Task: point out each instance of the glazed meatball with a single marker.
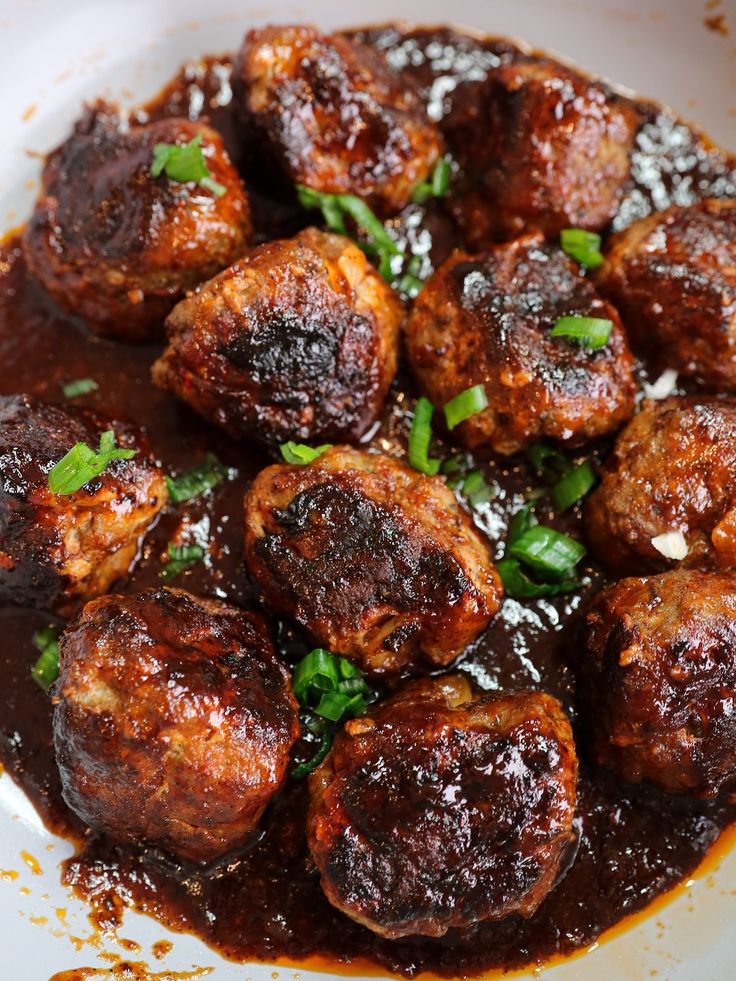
(673, 278)
(296, 341)
(57, 551)
(334, 115)
(486, 320)
(173, 721)
(118, 246)
(659, 679)
(439, 810)
(549, 151)
(671, 472)
(374, 560)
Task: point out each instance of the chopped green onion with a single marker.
(419, 438)
(46, 669)
(410, 286)
(200, 479)
(301, 771)
(547, 552)
(365, 219)
(181, 557)
(573, 486)
(591, 332)
(466, 404)
(438, 184)
(185, 163)
(520, 523)
(475, 488)
(337, 705)
(518, 585)
(583, 247)
(82, 386)
(299, 453)
(548, 461)
(81, 464)
(315, 674)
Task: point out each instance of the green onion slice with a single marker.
(475, 488)
(336, 705)
(419, 438)
(518, 585)
(82, 386)
(185, 163)
(547, 552)
(584, 247)
(573, 486)
(591, 332)
(181, 557)
(438, 184)
(197, 481)
(81, 464)
(304, 769)
(46, 669)
(521, 522)
(548, 461)
(410, 285)
(314, 675)
(301, 454)
(468, 403)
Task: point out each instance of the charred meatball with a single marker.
(374, 560)
(335, 116)
(673, 278)
(57, 551)
(549, 151)
(486, 320)
(173, 721)
(659, 680)
(672, 473)
(118, 246)
(438, 810)
(296, 341)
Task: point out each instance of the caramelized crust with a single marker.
(58, 551)
(374, 560)
(296, 341)
(487, 320)
(334, 115)
(438, 810)
(673, 469)
(119, 247)
(659, 680)
(173, 721)
(673, 277)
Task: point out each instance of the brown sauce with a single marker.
(266, 903)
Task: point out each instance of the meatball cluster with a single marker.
(439, 810)
(116, 245)
(57, 551)
(335, 116)
(173, 722)
(298, 340)
(374, 560)
(486, 320)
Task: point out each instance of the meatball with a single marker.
(118, 246)
(173, 721)
(439, 810)
(549, 151)
(658, 675)
(296, 341)
(335, 116)
(57, 551)
(486, 320)
(671, 472)
(374, 560)
(673, 278)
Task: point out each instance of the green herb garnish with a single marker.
(81, 464)
(185, 163)
(438, 184)
(590, 332)
(46, 669)
(584, 247)
(420, 436)
(82, 386)
(197, 481)
(540, 561)
(181, 557)
(466, 404)
(573, 486)
(300, 454)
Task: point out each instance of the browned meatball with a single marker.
(173, 721)
(672, 471)
(376, 561)
(334, 115)
(296, 341)
(673, 277)
(549, 151)
(438, 810)
(486, 320)
(57, 551)
(658, 675)
(119, 247)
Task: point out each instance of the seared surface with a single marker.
(173, 721)
(296, 341)
(334, 116)
(436, 810)
(659, 679)
(373, 559)
(119, 247)
(486, 320)
(673, 469)
(57, 551)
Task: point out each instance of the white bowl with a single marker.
(55, 55)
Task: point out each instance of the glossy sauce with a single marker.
(634, 843)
